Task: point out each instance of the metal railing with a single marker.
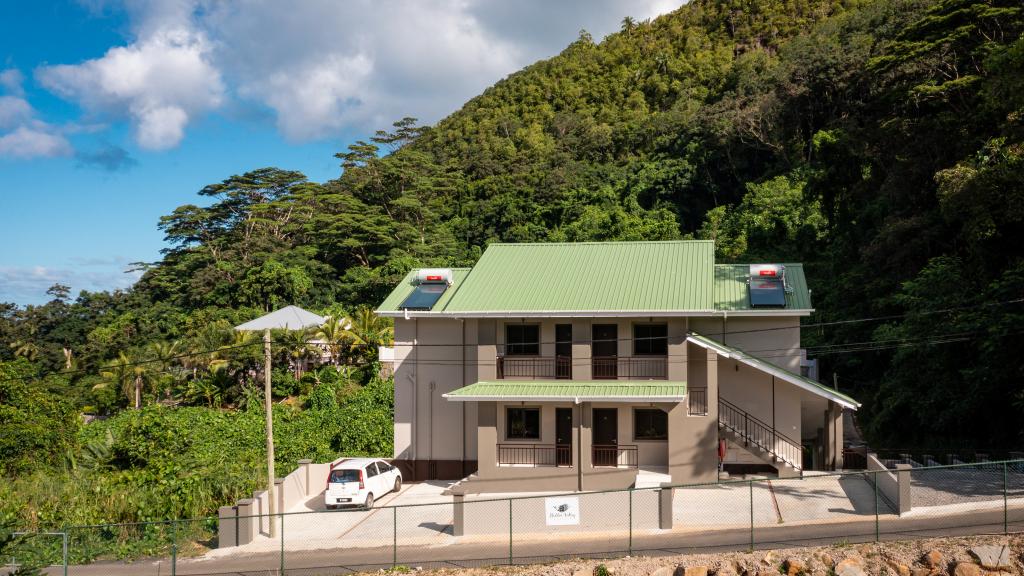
(698, 401)
(535, 454)
(629, 367)
(615, 455)
(734, 515)
(534, 367)
(756, 433)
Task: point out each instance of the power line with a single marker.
(815, 350)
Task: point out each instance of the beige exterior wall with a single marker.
(774, 402)
(434, 356)
(775, 339)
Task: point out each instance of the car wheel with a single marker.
(369, 501)
(398, 484)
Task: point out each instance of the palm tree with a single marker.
(334, 336)
(25, 349)
(165, 356)
(366, 331)
(299, 349)
(129, 375)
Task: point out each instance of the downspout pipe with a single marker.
(463, 380)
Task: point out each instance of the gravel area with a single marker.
(905, 558)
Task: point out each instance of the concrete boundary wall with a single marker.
(236, 529)
(648, 508)
(895, 486)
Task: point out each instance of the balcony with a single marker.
(602, 368)
(629, 367)
(534, 367)
(615, 455)
(534, 455)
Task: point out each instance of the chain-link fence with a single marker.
(432, 529)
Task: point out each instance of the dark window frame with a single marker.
(509, 420)
(650, 424)
(522, 347)
(650, 345)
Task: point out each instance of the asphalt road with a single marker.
(475, 552)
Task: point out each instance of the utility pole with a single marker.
(270, 431)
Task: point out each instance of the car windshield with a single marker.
(344, 476)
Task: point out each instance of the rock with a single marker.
(825, 559)
(850, 567)
(900, 569)
(921, 572)
(967, 569)
(770, 558)
(664, 571)
(695, 571)
(993, 557)
(583, 572)
(793, 566)
(933, 559)
(727, 568)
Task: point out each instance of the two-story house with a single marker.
(576, 366)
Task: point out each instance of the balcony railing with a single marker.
(535, 454)
(629, 367)
(534, 367)
(615, 455)
(698, 399)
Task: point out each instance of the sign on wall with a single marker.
(562, 510)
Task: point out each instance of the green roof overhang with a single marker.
(570, 391)
(767, 367)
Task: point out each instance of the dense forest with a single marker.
(880, 142)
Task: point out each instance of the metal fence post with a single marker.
(509, 531)
(876, 505)
(174, 547)
(65, 551)
(751, 484)
(630, 549)
(1005, 523)
(282, 543)
(394, 537)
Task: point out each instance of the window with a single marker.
(522, 339)
(522, 423)
(650, 424)
(650, 339)
(384, 467)
(371, 470)
(339, 476)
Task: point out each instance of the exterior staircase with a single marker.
(760, 439)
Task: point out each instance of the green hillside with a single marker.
(880, 142)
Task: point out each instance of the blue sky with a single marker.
(113, 114)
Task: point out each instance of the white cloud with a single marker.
(14, 111)
(160, 82)
(26, 142)
(10, 81)
(22, 135)
(322, 66)
(28, 284)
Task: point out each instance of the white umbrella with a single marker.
(287, 318)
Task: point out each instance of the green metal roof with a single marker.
(767, 367)
(589, 277)
(406, 286)
(574, 390)
(731, 287)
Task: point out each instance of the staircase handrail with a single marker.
(794, 446)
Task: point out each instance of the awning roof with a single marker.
(797, 380)
(571, 390)
(287, 318)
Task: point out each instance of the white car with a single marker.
(358, 481)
